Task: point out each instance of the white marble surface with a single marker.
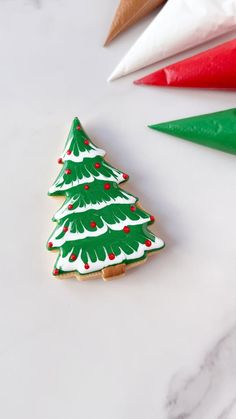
(161, 342)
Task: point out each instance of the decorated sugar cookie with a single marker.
(100, 228)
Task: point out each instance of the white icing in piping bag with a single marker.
(181, 24)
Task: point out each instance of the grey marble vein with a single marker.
(211, 392)
(225, 414)
(37, 3)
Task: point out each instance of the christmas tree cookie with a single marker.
(215, 130)
(211, 69)
(100, 228)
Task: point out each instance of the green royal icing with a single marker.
(216, 130)
(91, 231)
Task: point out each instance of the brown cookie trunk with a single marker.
(111, 271)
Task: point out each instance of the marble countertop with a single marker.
(159, 343)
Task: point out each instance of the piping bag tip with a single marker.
(158, 78)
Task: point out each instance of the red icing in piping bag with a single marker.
(214, 68)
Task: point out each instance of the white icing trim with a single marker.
(66, 186)
(82, 155)
(127, 222)
(78, 265)
(69, 236)
(63, 211)
(75, 236)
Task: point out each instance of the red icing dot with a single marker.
(78, 127)
(126, 229)
(56, 272)
(111, 256)
(86, 266)
(68, 152)
(93, 224)
(73, 257)
(97, 165)
(50, 244)
(148, 243)
(125, 176)
(152, 218)
(65, 229)
(70, 207)
(67, 171)
(107, 186)
(132, 208)
(60, 160)
(86, 187)
(86, 142)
